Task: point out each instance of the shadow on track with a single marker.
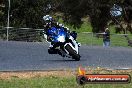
(64, 60)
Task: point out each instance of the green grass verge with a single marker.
(53, 82)
(89, 39)
(44, 82)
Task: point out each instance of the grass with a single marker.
(56, 82)
(44, 82)
(90, 39)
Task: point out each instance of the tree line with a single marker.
(29, 13)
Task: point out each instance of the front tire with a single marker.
(72, 52)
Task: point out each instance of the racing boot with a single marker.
(52, 50)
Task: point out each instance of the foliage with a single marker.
(29, 13)
(97, 10)
(1, 10)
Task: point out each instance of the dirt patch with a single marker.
(66, 73)
(8, 75)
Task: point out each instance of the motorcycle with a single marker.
(64, 43)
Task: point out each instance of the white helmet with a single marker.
(47, 18)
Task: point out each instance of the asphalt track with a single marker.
(21, 56)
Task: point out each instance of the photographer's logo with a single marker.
(83, 78)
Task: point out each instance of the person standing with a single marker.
(106, 38)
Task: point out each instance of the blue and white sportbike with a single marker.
(64, 43)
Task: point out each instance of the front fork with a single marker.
(75, 44)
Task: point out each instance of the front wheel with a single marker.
(72, 52)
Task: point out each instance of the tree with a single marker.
(97, 10)
(1, 11)
(27, 13)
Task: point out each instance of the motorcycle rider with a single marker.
(50, 22)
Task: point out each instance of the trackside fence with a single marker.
(36, 35)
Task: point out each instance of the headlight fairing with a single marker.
(61, 38)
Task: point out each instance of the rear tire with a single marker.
(72, 52)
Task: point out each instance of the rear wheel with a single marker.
(72, 52)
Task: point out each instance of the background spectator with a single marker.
(106, 38)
